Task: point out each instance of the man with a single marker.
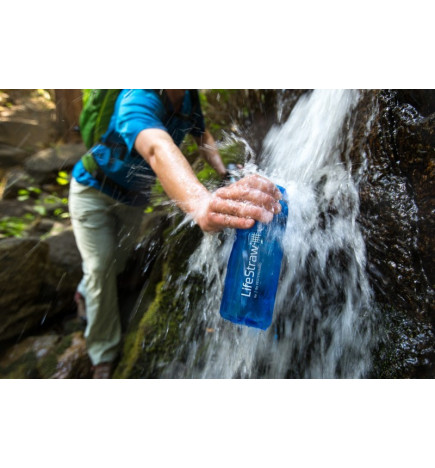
(111, 186)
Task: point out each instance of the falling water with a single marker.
(322, 325)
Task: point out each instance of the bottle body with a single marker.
(253, 272)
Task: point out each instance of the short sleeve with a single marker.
(137, 110)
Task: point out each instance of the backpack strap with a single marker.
(194, 96)
(90, 164)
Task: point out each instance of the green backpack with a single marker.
(98, 105)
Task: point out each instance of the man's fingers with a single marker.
(261, 183)
(240, 209)
(220, 221)
(253, 189)
(251, 195)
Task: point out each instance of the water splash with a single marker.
(323, 318)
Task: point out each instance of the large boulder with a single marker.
(64, 271)
(11, 156)
(415, 143)
(395, 131)
(20, 361)
(26, 133)
(24, 266)
(396, 202)
(73, 363)
(37, 281)
(45, 164)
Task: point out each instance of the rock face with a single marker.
(74, 362)
(48, 356)
(23, 270)
(37, 280)
(395, 131)
(64, 271)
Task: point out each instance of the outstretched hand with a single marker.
(239, 205)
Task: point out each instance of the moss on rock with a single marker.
(153, 335)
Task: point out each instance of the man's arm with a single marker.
(236, 206)
(209, 152)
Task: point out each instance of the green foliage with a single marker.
(12, 226)
(62, 178)
(44, 205)
(25, 194)
(233, 152)
(41, 210)
(206, 174)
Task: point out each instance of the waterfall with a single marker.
(323, 319)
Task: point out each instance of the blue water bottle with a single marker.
(253, 272)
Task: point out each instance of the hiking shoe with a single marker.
(81, 306)
(102, 370)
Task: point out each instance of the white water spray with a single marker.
(322, 319)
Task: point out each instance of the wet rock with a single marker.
(20, 360)
(423, 100)
(415, 146)
(153, 334)
(47, 356)
(74, 362)
(396, 196)
(45, 165)
(396, 211)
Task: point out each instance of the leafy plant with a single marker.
(62, 178)
(25, 194)
(13, 226)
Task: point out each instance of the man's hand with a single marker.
(239, 205)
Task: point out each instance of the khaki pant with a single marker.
(106, 231)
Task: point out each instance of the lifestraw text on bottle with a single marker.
(253, 270)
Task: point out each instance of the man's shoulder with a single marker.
(140, 95)
(142, 101)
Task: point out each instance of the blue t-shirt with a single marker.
(136, 110)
